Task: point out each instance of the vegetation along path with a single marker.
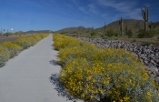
(25, 78)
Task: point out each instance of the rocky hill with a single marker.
(74, 30)
(130, 24)
(33, 31)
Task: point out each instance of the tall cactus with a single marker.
(150, 26)
(145, 17)
(121, 26)
(104, 28)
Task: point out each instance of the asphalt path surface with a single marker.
(26, 77)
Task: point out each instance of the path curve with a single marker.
(25, 78)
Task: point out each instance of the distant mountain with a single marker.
(37, 31)
(131, 24)
(75, 31)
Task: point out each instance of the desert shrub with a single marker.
(111, 55)
(26, 42)
(158, 38)
(146, 34)
(142, 34)
(93, 33)
(3, 56)
(134, 40)
(67, 54)
(116, 82)
(65, 41)
(33, 40)
(12, 48)
(129, 33)
(111, 74)
(71, 48)
(111, 32)
(38, 37)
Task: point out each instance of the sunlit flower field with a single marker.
(10, 49)
(93, 74)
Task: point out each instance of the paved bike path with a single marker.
(25, 78)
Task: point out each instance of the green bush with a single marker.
(146, 34)
(93, 33)
(129, 33)
(111, 32)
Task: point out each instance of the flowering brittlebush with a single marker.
(115, 75)
(3, 56)
(10, 49)
(26, 42)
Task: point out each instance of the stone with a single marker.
(146, 62)
(157, 80)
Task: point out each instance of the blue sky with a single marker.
(24, 15)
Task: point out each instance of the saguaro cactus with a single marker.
(104, 28)
(145, 17)
(150, 26)
(121, 26)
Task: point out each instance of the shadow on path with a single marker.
(60, 88)
(53, 62)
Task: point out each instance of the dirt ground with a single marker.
(141, 40)
(4, 38)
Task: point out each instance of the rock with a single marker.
(152, 73)
(157, 80)
(146, 62)
(157, 73)
(153, 68)
(152, 62)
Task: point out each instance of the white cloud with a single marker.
(125, 8)
(83, 9)
(136, 13)
(90, 8)
(75, 2)
(109, 18)
(120, 6)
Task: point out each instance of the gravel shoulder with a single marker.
(25, 78)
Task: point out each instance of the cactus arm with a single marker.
(142, 13)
